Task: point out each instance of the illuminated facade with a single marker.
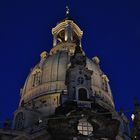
(66, 96)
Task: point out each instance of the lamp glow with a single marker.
(132, 117)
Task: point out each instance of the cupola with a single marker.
(65, 34)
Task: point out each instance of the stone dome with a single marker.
(46, 82)
(53, 74)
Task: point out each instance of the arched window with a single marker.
(82, 94)
(61, 36)
(19, 121)
(105, 85)
(36, 77)
(105, 81)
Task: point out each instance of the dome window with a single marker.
(105, 81)
(84, 127)
(105, 86)
(36, 77)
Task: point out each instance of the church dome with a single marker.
(47, 80)
(67, 95)
(52, 72)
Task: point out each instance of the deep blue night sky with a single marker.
(111, 31)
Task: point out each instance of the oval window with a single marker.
(84, 127)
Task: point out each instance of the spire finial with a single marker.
(67, 10)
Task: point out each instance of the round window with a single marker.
(84, 127)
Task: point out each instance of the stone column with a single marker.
(54, 40)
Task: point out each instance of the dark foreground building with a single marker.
(66, 96)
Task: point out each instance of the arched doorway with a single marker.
(82, 94)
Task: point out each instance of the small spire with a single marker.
(67, 11)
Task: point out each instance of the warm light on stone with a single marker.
(105, 77)
(43, 55)
(132, 117)
(96, 60)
